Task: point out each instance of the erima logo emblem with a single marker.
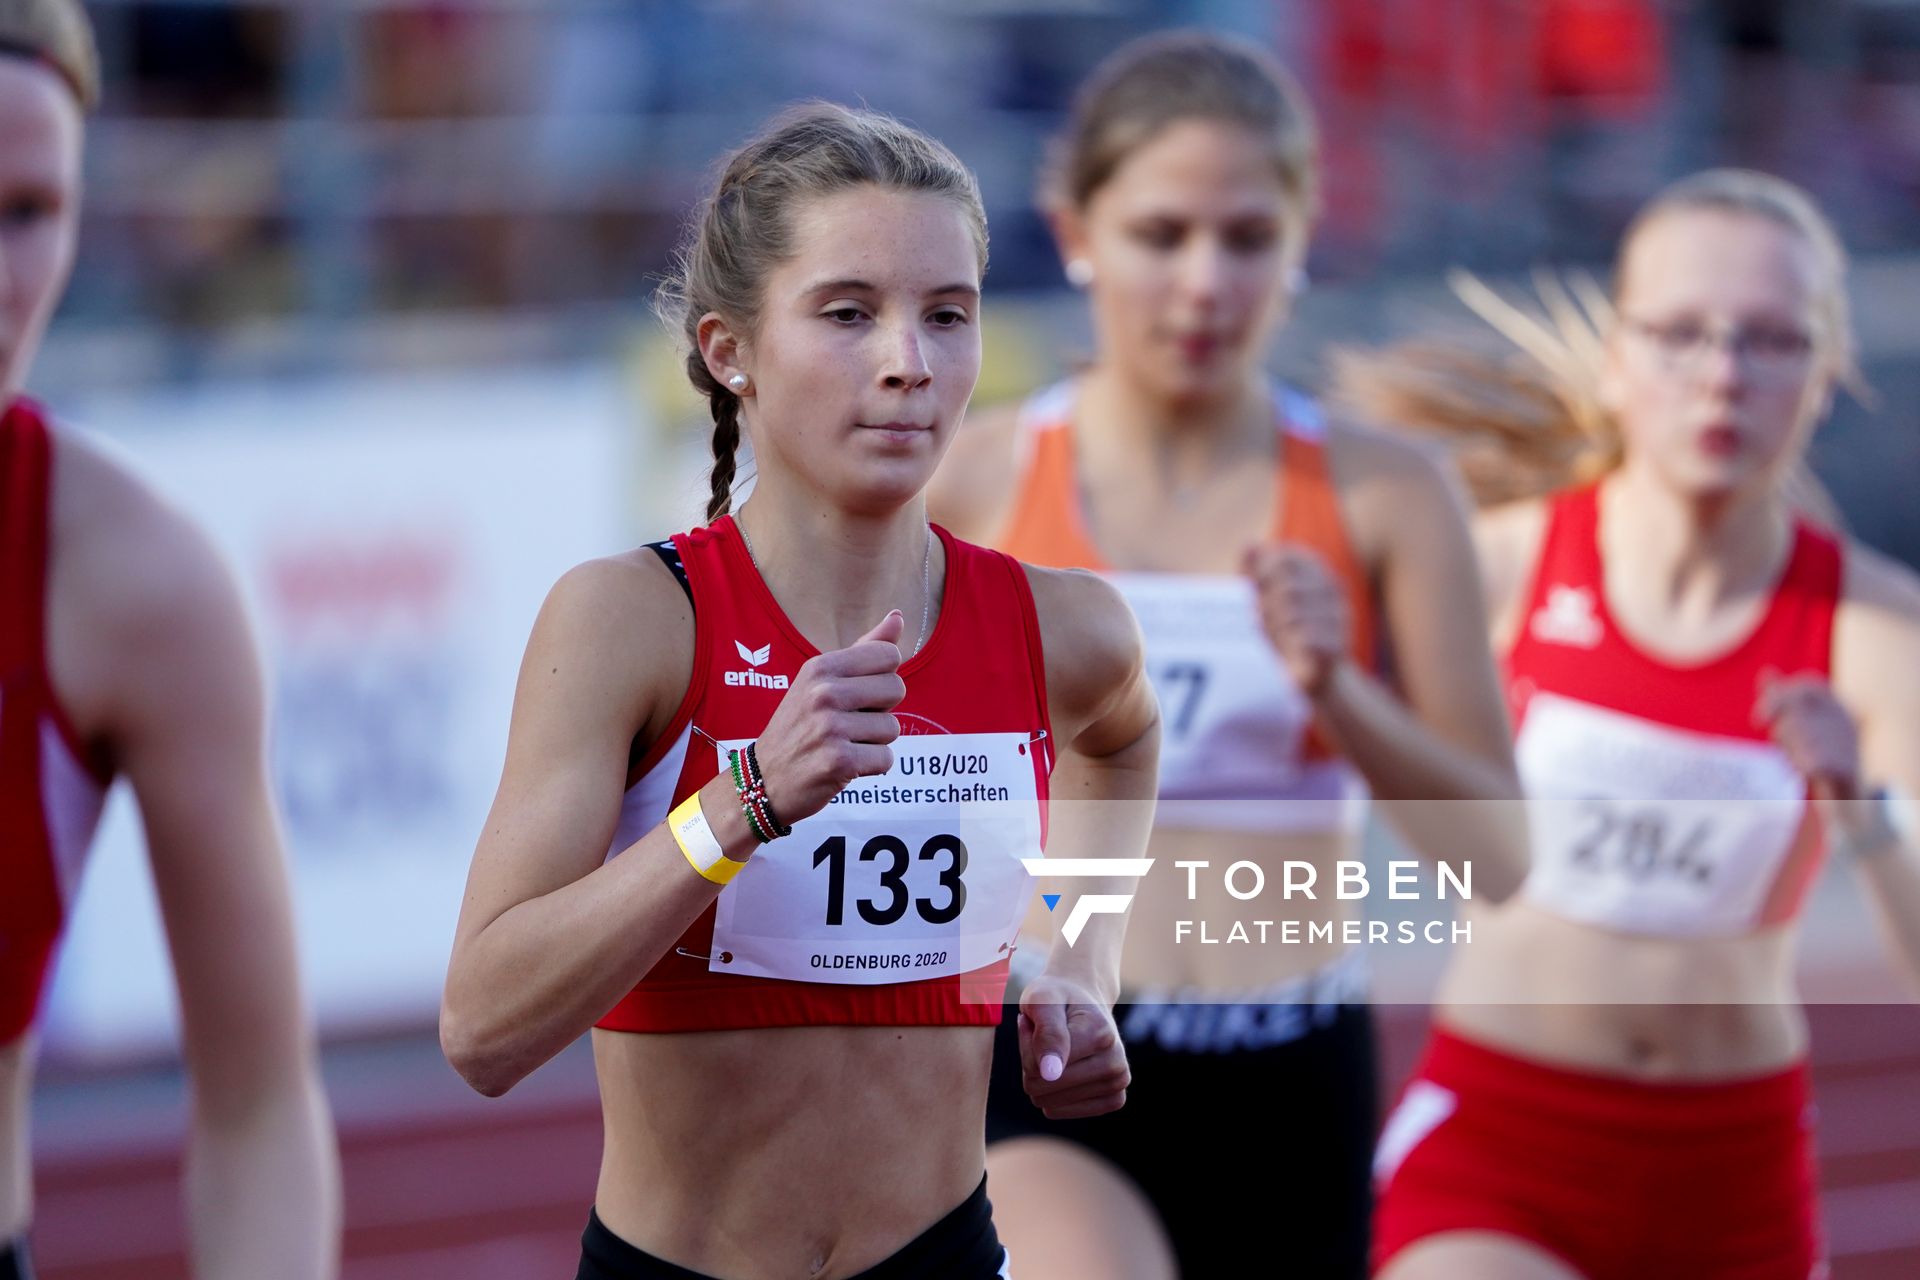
(1092, 904)
(755, 679)
(1568, 617)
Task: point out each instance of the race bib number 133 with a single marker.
(912, 874)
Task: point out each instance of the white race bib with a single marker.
(1233, 722)
(1651, 829)
(912, 874)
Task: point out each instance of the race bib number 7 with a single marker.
(912, 874)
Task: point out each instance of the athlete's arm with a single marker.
(973, 489)
(174, 689)
(1437, 752)
(551, 935)
(1877, 677)
(1106, 723)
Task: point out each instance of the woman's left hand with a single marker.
(1071, 1059)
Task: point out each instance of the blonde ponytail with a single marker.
(1521, 423)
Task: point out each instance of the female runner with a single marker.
(124, 653)
(792, 963)
(1712, 689)
(1182, 196)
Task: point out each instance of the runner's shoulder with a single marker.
(1879, 618)
(624, 622)
(1090, 636)
(1878, 582)
(972, 491)
(143, 566)
(1395, 490)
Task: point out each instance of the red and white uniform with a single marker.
(1659, 803)
(50, 797)
(899, 902)
(1659, 807)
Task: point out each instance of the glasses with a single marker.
(1774, 352)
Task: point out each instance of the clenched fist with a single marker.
(835, 724)
(1303, 609)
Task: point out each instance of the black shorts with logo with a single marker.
(961, 1246)
(1282, 1094)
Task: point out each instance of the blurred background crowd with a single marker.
(364, 283)
(292, 188)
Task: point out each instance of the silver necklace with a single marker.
(926, 580)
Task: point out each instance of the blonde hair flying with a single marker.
(1528, 421)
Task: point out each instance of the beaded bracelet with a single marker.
(747, 797)
(747, 780)
(758, 783)
(757, 816)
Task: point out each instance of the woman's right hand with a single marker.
(1304, 611)
(834, 724)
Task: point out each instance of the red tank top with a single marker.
(915, 870)
(1659, 804)
(50, 798)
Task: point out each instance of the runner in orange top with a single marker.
(1297, 580)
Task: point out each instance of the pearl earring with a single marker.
(1079, 272)
(1296, 280)
(738, 383)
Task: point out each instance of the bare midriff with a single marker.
(1684, 1009)
(770, 1153)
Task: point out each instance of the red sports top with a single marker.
(50, 797)
(979, 673)
(1661, 804)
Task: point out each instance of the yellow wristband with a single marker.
(696, 839)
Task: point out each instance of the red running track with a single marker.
(442, 1185)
